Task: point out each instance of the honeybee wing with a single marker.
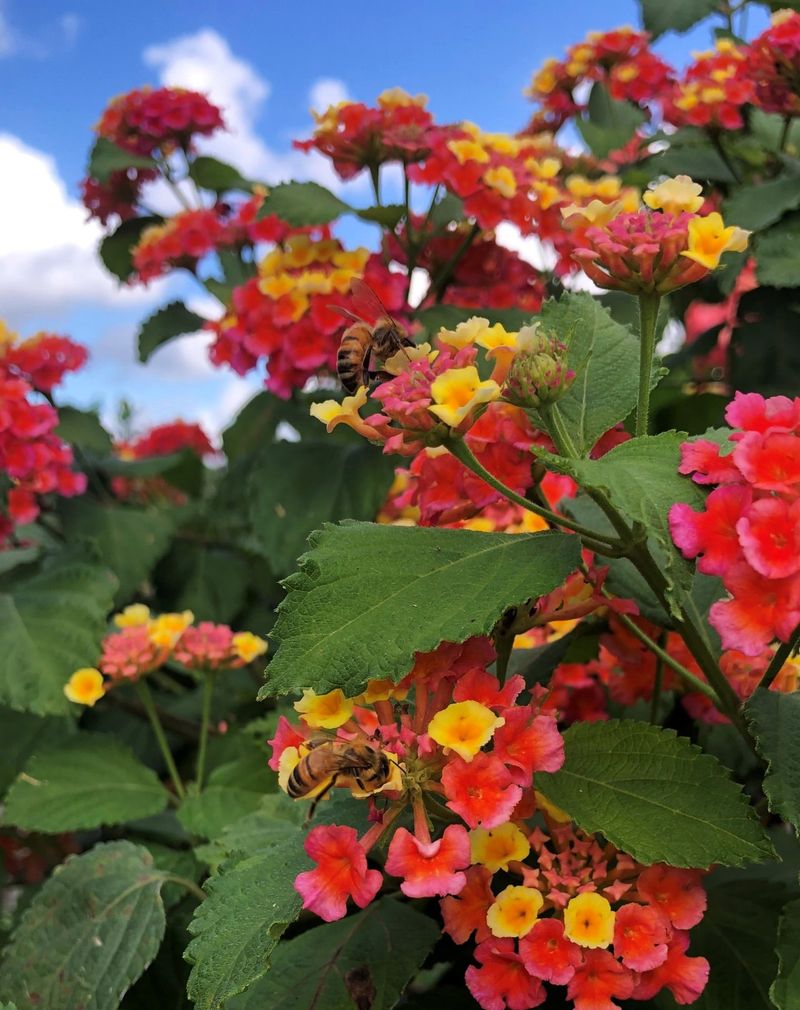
(367, 303)
(347, 314)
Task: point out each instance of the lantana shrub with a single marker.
(527, 591)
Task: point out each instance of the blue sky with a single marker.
(60, 61)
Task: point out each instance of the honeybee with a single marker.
(364, 340)
(328, 763)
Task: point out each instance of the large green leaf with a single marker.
(51, 623)
(24, 734)
(675, 16)
(86, 782)
(130, 540)
(611, 123)
(777, 253)
(82, 428)
(737, 936)
(295, 488)
(168, 322)
(655, 795)
(234, 790)
(211, 173)
(250, 903)
(106, 157)
(365, 961)
(88, 934)
(116, 249)
(367, 597)
(605, 356)
(303, 203)
(757, 207)
(210, 581)
(641, 479)
(785, 991)
(774, 718)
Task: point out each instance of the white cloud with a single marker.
(70, 25)
(48, 260)
(8, 37)
(327, 91)
(540, 255)
(204, 62)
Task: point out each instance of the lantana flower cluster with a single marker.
(143, 642)
(658, 248)
(774, 57)
(545, 902)
(148, 122)
(34, 461)
(714, 89)
(749, 531)
(161, 440)
(621, 59)
(287, 314)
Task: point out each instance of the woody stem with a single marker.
(648, 316)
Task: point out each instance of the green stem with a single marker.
(664, 656)
(439, 283)
(717, 142)
(375, 176)
(208, 693)
(411, 245)
(648, 317)
(782, 653)
(150, 708)
(787, 126)
(558, 431)
(658, 681)
(459, 448)
(189, 885)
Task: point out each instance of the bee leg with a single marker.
(360, 784)
(320, 796)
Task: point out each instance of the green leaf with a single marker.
(303, 203)
(366, 960)
(418, 586)
(83, 429)
(450, 208)
(387, 215)
(611, 123)
(106, 158)
(234, 790)
(605, 356)
(86, 782)
(654, 795)
(210, 173)
(785, 990)
(171, 321)
(737, 936)
(295, 488)
(774, 719)
(676, 16)
(130, 540)
(51, 624)
(777, 253)
(250, 903)
(24, 734)
(765, 351)
(700, 161)
(210, 581)
(757, 207)
(641, 479)
(116, 249)
(89, 933)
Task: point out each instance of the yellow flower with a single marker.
(589, 920)
(7, 337)
(596, 213)
(544, 80)
(514, 911)
(465, 334)
(393, 97)
(248, 646)
(166, 629)
(381, 690)
(354, 259)
(324, 711)
(468, 150)
(400, 360)
(277, 285)
(709, 239)
(133, 616)
(458, 391)
(546, 193)
(494, 337)
(607, 187)
(501, 179)
(332, 412)
(495, 848)
(464, 727)
(579, 186)
(547, 168)
(85, 686)
(626, 73)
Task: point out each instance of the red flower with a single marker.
(769, 462)
(163, 118)
(286, 735)
(528, 743)
(548, 954)
(341, 872)
(678, 894)
(466, 913)
(640, 937)
(599, 978)
(502, 981)
(713, 532)
(481, 686)
(685, 977)
(482, 791)
(770, 537)
(761, 609)
(433, 868)
(752, 412)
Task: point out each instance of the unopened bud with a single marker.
(538, 374)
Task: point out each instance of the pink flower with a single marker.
(711, 533)
(640, 937)
(528, 744)
(548, 954)
(685, 977)
(341, 872)
(770, 537)
(705, 459)
(678, 894)
(502, 981)
(433, 868)
(481, 791)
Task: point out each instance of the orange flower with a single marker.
(85, 686)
